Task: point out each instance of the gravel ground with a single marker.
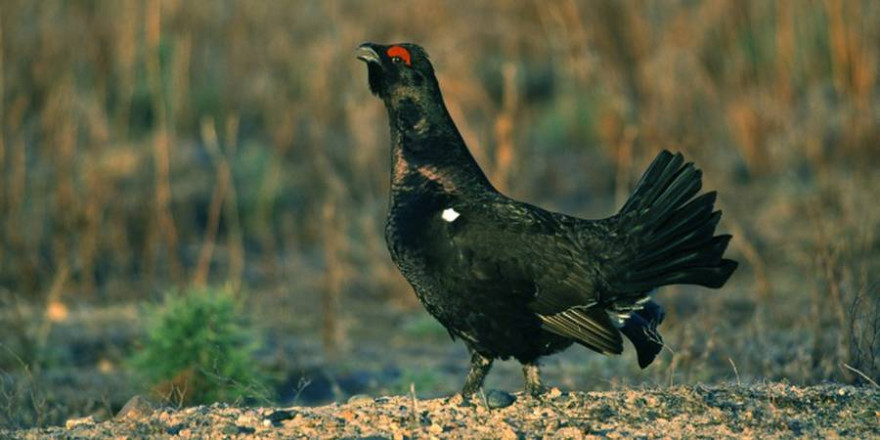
(728, 411)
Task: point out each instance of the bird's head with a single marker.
(397, 70)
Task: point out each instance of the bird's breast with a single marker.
(420, 231)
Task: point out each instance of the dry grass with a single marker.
(148, 144)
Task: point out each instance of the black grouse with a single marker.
(514, 280)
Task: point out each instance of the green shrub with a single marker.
(198, 349)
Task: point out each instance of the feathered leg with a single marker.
(480, 366)
(532, 375)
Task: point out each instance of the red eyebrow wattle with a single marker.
(400, 52)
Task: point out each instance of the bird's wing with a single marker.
(506, 240)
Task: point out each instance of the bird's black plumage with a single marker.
(511, 279)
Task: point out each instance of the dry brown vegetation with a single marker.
(153, 144)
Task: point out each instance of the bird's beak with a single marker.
(367, 54)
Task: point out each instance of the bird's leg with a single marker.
(480, 366)
(532, 376)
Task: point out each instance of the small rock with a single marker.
(137, 408)
(360, 399)
(506, 432)
(347, 415)
(82, 421)
(554, 393)
(246, 419)
(496, 399)
(276, 417)
(568, 433)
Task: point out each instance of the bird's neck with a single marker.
(428, 150)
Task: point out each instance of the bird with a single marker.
(513, 280)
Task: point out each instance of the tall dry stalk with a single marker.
(224, 177)
(3, 202)
(235, 238)
(331, 329)
(505, 150)
(62, 128)
(164, 137)
(223, 201)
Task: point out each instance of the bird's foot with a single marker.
(541, 394)
(460, 400)
(536, 390)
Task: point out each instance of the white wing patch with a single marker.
(449, 215)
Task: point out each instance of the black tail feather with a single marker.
(674, 229)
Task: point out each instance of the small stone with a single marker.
(137, 408)
(496, 399)
(276, 417)
(506, 432)
(246, 419)
(360, 399)
(569, 433)
(347, 415)
(82, 421)
(554, 393)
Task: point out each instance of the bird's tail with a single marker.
(673, 230)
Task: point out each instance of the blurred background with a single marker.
(192, 193)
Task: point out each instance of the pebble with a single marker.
(496, 399)
(246, 419)
(360, 399)
(505, 432)
(73, 423)
(137, 408)
(276, 417)
(568, 433)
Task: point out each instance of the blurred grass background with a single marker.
(152, 145)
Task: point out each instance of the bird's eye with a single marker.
(396, 60)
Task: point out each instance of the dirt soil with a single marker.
(728, 411)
